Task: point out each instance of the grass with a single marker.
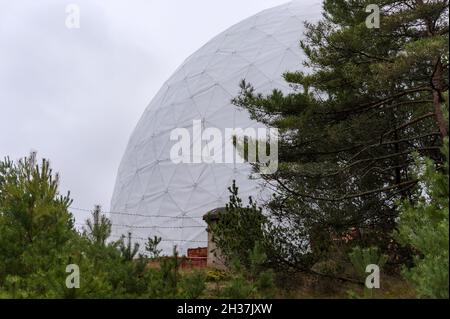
(301, 286)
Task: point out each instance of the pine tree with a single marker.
(98, 229)
(29, 197)
(33, 214)
(36, 229)
(371, 99)
(151, 247)
(127, 249)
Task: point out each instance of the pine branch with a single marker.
(347, 197)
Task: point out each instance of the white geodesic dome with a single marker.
(154, 196)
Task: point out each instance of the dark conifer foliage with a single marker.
(372, 98)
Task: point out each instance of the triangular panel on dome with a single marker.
(176, 93)
(151, 205)
(200, 83)
(170, 209)
(154, 181)
(162, 144)
(204, 102)
(197, 65)
(182, 180)
(222, 118)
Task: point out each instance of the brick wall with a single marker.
(197, 258)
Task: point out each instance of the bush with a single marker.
(215, 275)
(238, 229)
(193, 285)
(257, 282)
(38, 241)
(424, 225)
(360, 259)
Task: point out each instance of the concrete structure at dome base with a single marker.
(215, 258)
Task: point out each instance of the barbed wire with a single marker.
(84, 210)
(148, 227)
(163, 240)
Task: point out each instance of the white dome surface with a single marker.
(154, 196)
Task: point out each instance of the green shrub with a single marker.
(38, 241)
(424, 225)
(193, 285)
(238, 229)
(255, 282)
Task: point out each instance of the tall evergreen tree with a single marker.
(36, 228)
(371, 98)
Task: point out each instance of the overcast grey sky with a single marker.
(75, 95)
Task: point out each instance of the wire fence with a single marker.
(163, 240)
(155, 227)
(147, 227)
(84, 210)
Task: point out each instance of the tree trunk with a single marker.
(437, 82)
